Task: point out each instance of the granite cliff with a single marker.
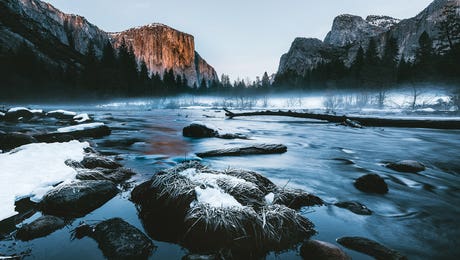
(349, 32)
(63, 39)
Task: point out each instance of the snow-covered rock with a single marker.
(32, 170)
(81, 118)
(61, 114)
(81, 127)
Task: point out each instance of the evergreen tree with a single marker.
(108, 56)
(425, 50)
(203, 85)
(265, 80)
(372, 57)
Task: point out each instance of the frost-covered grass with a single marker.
(32, 170)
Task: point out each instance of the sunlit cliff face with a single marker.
(162, 47)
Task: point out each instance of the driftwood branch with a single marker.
(364, 121)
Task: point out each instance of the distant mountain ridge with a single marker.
(349, 32)
(63, 40)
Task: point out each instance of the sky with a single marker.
(241, 38)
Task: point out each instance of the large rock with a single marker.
(40, 227)
(354, 207)
(371, 183)
(247, 150)
(12, 140)
(199, 131)
(78, 198)
(319, 250)
(371, 248)
(119, 240)
(407, 166)
(14, 114)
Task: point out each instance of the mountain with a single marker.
(162, 47)
(349, 32)
(62, 40)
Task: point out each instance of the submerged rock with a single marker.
(247, 150)
(354, 207)
(40, 227)
(199, 131)
(54, 138)
(319, 250)
(202, 257)
(407, 166)
(370, 247)
(119, 240)
(371, 183)
(13, 140)
(78, 198)
(92, 162)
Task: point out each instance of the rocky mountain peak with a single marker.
(382, 21)
(347, 29)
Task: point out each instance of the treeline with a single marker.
(436, 60)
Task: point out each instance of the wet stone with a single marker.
(78, 198)
(407, 166)
(92, 162)
(119, 240)
(371, 183)
(247, 150)
(370, 247)
(13, 140)
(198, 131)
(40, 227)
(319, 250)
(354, 207)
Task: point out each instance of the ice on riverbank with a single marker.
(33, 169)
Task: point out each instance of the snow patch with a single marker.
(269, 198)
(81, 118)
(63, 112)
(15, 109)
(215, 197)
(32, 170)
(79, 127)
(212, 194)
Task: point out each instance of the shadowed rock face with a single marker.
(162, 47)
(348, 32)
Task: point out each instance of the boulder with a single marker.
(371, 183)
(92, 162)
(319, 250)
(199, 131)
(78, 198)
(201, 257)
(14, 114)
(113, 175)
(40, 227)
(247, 150)
(370, 247)
(119, 240)
(12, 140)
(354, 207)
(407, 166)
(232, 136)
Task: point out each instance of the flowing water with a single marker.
(418, 217)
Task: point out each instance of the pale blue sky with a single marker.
(242, 38)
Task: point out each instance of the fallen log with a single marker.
(364, 121)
